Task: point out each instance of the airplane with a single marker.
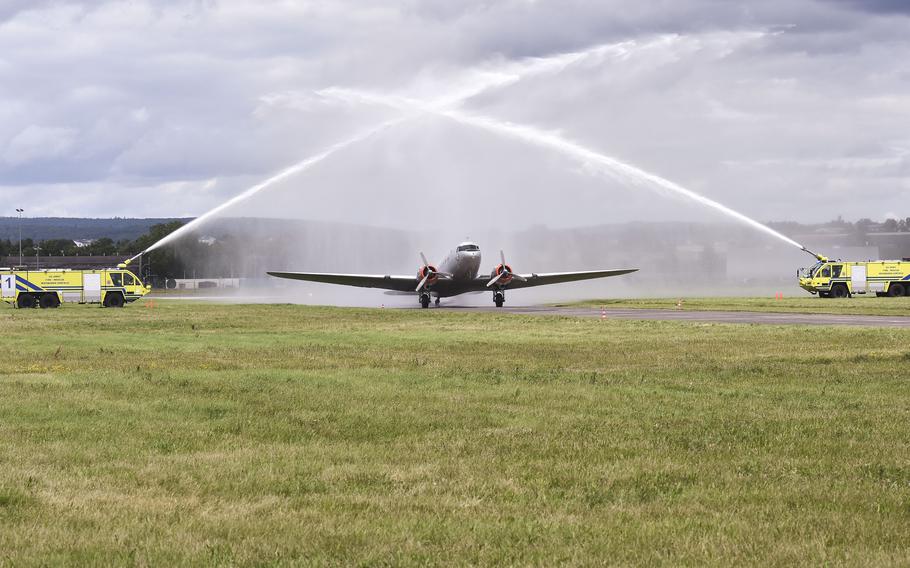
(458, 274)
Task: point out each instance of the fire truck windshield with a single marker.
(810, 271)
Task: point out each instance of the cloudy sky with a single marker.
(782, 109)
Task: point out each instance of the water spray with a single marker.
(554, 141)
(484, 80)
(283, 174)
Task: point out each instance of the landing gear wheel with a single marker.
(840, 291)
(49, 301)
(437, 301)
(114, 300)
(499, 298)
(26, 301)
(424, 301)
(897, 290)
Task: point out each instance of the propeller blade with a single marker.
(495, 280)
(422, 282)
(502, 257)
(424, 259)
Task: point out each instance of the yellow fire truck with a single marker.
(839, 279)
(112, 288)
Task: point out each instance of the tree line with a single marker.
(65, 247)
(861, 226)
(164, 262)
(96, 247)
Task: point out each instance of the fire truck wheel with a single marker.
(840, 291)
(896, 290)
(49, 301)
(26, 301)
(113, 300)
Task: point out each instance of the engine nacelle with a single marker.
(431, 270)
(506, 277)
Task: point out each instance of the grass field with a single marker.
(802, 304)
(199, 433)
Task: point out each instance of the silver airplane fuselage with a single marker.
(463, 263)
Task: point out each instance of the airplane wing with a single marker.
(446, 286)
(533, 279)
(385, 282)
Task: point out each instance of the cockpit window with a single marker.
(465, 248)
(116, 279)
(128, 280)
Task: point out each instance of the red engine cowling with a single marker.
(421, 274)
(499, 270)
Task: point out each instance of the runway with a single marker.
(765, 318)
(715, 316)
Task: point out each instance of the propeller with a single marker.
(504, 271)
(429, 272)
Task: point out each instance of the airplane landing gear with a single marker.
(437, 301)
(424, 300)
(499, 298)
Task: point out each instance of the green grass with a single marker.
(196, 433)
(802, 304)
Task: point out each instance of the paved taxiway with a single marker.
(703, 316)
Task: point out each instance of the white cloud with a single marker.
(36, 143)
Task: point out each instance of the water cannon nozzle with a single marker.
(821, 258)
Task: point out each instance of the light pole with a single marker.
(20, 211)
(37, 251)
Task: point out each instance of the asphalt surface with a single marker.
(766, 318)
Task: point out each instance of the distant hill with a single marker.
(43, 228)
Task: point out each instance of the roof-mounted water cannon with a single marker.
(127, 262)
(820, 258)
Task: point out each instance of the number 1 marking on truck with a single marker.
(8, 288)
